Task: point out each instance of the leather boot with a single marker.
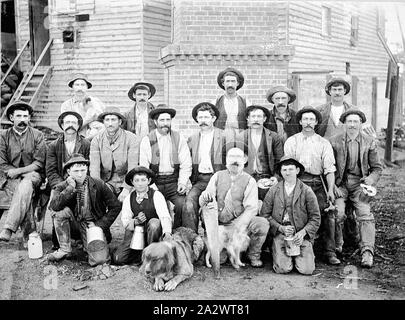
(367, 259)
(5, 235)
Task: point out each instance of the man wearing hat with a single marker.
(235, 192)
(282, 119)
(61, 150)
(137, 119)
(316, 155)
(165, 152)
(231, 106)
(145, 207)
(81, 202)
(265, 148)
(82, 103)
(206, 147)
(357, 163)
(292, 210)
(92, 127)
(22, 161)
(113, 153)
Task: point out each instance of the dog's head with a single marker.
(158, 259)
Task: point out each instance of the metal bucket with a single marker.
(94, 233)
(138, 239)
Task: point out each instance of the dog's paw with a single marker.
(159, 284)
(170, 285)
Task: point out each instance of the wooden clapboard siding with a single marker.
(22, 32)
(316, 52)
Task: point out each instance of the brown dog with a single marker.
(168, 263)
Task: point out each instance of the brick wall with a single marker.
(209, 36)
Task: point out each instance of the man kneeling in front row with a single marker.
(292, 206)
(81, 202)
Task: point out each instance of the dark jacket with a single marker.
(305, 211)
(325, 112)
(103, 203)
(55, 156)
(130, 122)
(370, 164)
(291, 127)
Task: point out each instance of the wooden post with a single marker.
(295, 81)
(391, 116)
(355, 81)
(374, 103)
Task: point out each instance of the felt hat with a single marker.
(76, 158)
(111, 110)
(241, 78)
(235, 144)
(64, 114)
(353, 111)
(82, 76)
(273, 90)
(18, 105)
(252, 107)
(198, 106)
(284, 159)
(139, 169)
(141, 85)
(335, 81)
(162, 108)
(309, 109)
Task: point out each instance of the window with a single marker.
(326, 21)
(354, 31)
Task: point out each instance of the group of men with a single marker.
(296, 164)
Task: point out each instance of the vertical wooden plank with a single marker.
(399, 107)
(295, 85)
(355, 82)
(374, 102)
(391, 115)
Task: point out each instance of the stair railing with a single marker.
(14, 61)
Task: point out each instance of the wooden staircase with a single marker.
(31, 85)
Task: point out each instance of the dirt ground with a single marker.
(23, 278)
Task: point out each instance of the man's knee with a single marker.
(284, 267)
(64, 214)
(154, 224)
(307, 268)
(259, 226)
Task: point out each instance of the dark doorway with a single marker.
(8, 38)
(39, 32)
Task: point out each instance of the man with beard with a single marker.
(137, 119)
(206, 147)
(113, 153)
(235, 191)
(22, 158)
(231, 106)
(165, 152)
(357, 162)
(282, 119)
(316, 155)
(265, 148)
(82, 103)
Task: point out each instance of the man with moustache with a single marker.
(282, 119)
(316, 155)
(22, 159)
(137, 119)
(165, 152)
(231, 106)
(265, 148)
(235, 192)
(357, 162)
(206, 147)
(113, 153)
(87, 106)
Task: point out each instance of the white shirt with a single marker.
(160, 207)
(142, 127)
(204, 152)
(256, 138)
(70, 146)
(165, 149)
(231, 106)
(336, 112)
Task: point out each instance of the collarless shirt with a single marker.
(204, 152)
(70, 146)
(231, 106)
(142, 127)
(165, 150)
(336, 112)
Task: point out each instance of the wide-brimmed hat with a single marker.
(76, 158)
(309, 109)
(353, 111)
(198, 106)
(273, 90)
(111, 110)
(82, 76)
(284, 159)
(241, 78)
(235, 144)
(18, 105)
(162, 108)
(141, 85)
(264, 109)
(86, 124)
(334, 81)
(73, 113)
(139, 169)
